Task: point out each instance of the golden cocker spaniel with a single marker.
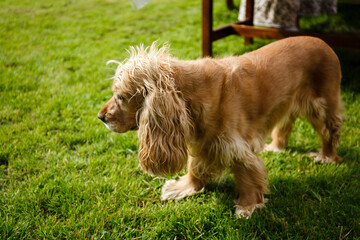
(213, 114)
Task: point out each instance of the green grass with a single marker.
(64, 175)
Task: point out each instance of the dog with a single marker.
(214, 114)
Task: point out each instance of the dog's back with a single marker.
(296, 77)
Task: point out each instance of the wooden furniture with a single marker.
(248, 31)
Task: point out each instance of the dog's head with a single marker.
(119, 114)
(145, 98)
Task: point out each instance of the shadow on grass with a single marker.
(349, 155)
(225, 187)
(350, 66)
(321, 202)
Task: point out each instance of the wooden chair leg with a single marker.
(248, 40)
(207, 30)
(249, 15)
(230, 4)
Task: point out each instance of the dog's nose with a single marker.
(101, 117)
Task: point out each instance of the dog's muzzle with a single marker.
(101, 117)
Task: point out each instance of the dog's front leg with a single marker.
(186, 185)
(251, 184)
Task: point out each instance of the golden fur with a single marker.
(213, 114)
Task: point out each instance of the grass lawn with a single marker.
(64, 175)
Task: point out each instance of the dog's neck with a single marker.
(194, 79)
(186, 70)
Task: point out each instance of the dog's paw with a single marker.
(246, 211)
(271, 148)
(177, 190)
(319, 157)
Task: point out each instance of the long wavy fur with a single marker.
(164, 124)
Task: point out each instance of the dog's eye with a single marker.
(121, 98)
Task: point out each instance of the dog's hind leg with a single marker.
(326, 118)
(251, 184)
(281, 134)
(329, 131)
(186, 185)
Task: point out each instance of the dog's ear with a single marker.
(164, 129)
